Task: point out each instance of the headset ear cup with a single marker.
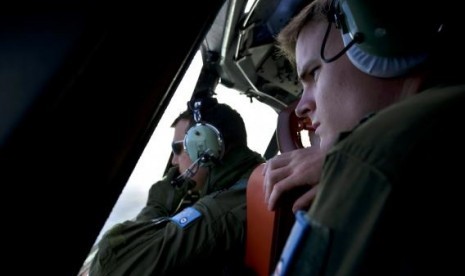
(382, 67)
(393, 40)
(204, 142)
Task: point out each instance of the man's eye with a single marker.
(314, 73)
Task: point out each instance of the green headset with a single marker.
(385, 38)
(203, 142)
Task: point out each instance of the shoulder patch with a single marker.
(186, 216)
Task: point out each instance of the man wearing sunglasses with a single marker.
(194, 220)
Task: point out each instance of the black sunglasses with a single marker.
(177, 147)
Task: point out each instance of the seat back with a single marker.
(267, 231)
(290, 128)
(260, 225)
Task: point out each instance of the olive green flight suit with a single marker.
(391, 200)
(207, 238)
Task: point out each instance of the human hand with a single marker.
(164, 198)
(297, 170)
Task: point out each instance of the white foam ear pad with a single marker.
(383, 67)
(204, 142)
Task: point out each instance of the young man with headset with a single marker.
(194, 220)
(383, 84)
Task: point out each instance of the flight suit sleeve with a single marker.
(163, 197)
(214, 226)
(350, 201)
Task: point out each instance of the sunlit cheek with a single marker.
(185, 161)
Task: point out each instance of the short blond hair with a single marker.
(316, 11)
